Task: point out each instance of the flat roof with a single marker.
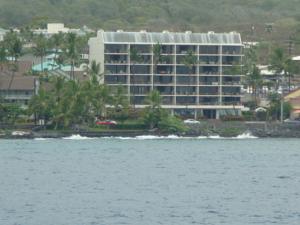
(231, 38)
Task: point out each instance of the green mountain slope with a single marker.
(151, 14)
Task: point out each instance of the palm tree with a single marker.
(94, 72)
(157, 56)
(14, 49)
(250, 59)
(57, 42)
(292, 68)
(13, 45)
(135, 58)
(100, 99)
(280, 63)
(154, 112)
(40, 49)
(154, 100)
(41, 106)
(72, 52)
(190, 60)
(255, 81)
(3, 55)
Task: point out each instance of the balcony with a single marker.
(116, 49)
(232, 50)
(165, 90)
(209, 50)
(186, 100)
(115, 79)
(209, 83)
(136, 80)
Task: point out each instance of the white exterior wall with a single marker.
(55, 28)
(97, 48)
(96, 52)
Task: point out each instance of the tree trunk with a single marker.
(42, 64)
(289, 81)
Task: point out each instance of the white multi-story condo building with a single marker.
(197, 74)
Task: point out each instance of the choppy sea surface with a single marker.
(150, 180)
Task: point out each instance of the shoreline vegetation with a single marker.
(204, 129)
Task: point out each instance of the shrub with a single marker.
(171, 124)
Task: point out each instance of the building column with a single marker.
(217, 114)
(195, 114)
(172, 112)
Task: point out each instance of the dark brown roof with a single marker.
(22, 68)
(24, 83)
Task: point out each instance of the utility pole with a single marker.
(281, 108)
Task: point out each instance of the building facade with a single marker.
(19, 89)
(198, 75)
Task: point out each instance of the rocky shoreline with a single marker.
(215, 128)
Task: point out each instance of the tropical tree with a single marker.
(3, 55)
(121, 104)
(153, 113)
(190, 60)
(41, 106)
(157, 56)
(71, 51)
(250, 59)
(280, 63)
(275, 104)
(135, 58)
(101, 98)
(13, 45)
(94, 72)
(56, 42)
(12, 112)
(254, 80)
(40, 49)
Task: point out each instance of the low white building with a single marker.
(55, 28)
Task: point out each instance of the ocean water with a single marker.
(150, 180)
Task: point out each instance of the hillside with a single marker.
(152, 14)
(158, 15)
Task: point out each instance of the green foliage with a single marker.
(281, 63)
(40, 49)
(71, 102)
(154, 14)
(275, 107)
(10, 112)
(190, 60)
(230, 132)
(254, 80)
(3, 55)
(156, 117)
(153, 114)
(171, 124)
(13, 45)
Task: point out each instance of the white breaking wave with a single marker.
(153, 137)
(42, 139)
(246, 135)
(149, 137)
(77, 137)
(215, 137)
